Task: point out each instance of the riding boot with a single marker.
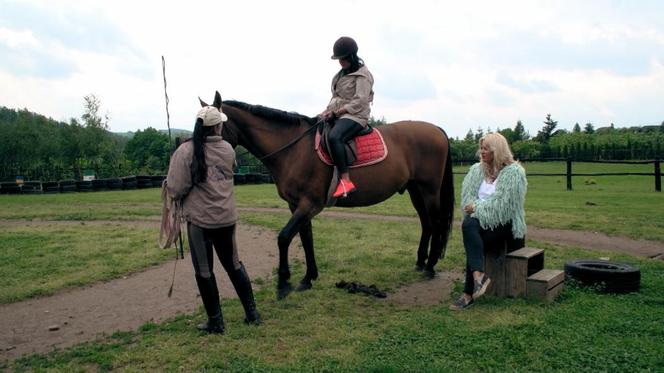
(210, 296)
(242, 284)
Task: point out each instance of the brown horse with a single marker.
(418, 161)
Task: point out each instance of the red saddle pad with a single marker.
(371, 149)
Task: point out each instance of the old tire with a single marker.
(610, 277)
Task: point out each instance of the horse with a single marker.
(418, 161)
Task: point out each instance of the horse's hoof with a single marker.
(283, 291)
(429, 274)
(304, 286)
(419, 267)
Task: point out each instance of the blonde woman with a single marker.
(492, 198)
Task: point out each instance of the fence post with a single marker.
(658, 177)
(569, 174)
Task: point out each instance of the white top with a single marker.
(486, 189)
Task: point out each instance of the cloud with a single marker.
(61, 34)
(622, 54)
(405, 85)
(526, 85)
(33, 62)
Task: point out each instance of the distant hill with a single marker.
(175, 132)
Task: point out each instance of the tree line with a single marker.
(579, 144)
(40, 148)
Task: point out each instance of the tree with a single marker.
(577, 128)
(589, 128)
(470, 136)
(546, 132)
(148, 151)
(91, 117)
(479, 134)
(373, 122)
(508, 133)
(520, 133)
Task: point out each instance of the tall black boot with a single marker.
(242, 285)
(210, 296)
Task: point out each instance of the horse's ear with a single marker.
(203, 104)
(217, 100)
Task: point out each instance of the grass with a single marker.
(615, 205)
(39, 260)
(327, 329)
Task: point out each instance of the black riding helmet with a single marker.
(343, 47)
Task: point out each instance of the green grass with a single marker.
(39, 260)
(615, 205)
(117, 205)
(327, 329)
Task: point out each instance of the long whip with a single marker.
(179, 252)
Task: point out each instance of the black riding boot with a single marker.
(242, 285)
(210, 296)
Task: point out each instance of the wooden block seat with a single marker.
(545, 285)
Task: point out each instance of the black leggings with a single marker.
(343, 130)
(474, 240)
(201, 242)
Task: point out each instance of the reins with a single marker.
(290, 143)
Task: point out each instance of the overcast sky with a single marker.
(486, 64)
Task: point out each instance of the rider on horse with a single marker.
(349, 108)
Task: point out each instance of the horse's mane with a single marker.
(270, 113)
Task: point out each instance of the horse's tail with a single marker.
(447, 199)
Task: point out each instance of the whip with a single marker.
(179, 251)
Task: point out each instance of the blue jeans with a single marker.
(476, 240)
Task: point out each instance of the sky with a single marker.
(485, 64)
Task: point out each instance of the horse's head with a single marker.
(227, 127)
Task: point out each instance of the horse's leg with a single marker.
(432, 203)
(307, 238)
(418, 203)
(299, 219)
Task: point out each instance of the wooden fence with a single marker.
(657, 173)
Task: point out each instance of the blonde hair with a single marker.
(502, 155)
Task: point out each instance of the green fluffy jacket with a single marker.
(505, 205)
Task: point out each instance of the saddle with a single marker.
(365, 149)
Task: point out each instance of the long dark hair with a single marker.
(198, 164)
(355, 64)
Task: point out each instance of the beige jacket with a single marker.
(210, 204)
(354, 92)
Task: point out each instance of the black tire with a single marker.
(98, 184)
(239, 179)
(51, 187)
(129, 182)
(144, 181)
(610, 277)
(9, 187)
(157, 180)
(267, 179)
(114, 184)
(84, 186)
(32, 187)
(67, 188)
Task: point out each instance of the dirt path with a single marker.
(580, 239)
(86, 313)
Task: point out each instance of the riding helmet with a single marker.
(343, 47)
